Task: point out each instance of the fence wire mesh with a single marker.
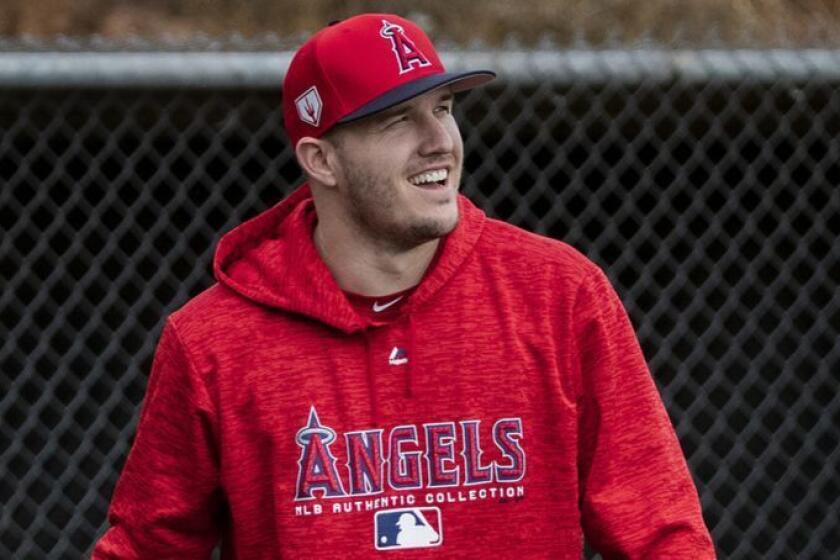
(713, 204)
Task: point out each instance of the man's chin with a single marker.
(430, 230)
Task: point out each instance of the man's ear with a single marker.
(316, 157)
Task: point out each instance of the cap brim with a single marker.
(460, 81)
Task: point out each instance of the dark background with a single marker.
(713, 205)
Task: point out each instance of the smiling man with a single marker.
(381, 367)
(385, 190)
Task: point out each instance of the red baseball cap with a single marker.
(360, 66)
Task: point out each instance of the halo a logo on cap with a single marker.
(418, 527)
(408, 55)
(309, 106)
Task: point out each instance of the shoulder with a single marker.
(214, 314)
(517, 249)
(532, 271)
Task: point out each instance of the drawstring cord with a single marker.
(411, 352)
(370, 367)
(369, 378)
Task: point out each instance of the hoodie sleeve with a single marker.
(637, 498)
(167, 502)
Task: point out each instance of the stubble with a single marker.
(374, 208)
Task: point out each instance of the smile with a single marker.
(435, 176)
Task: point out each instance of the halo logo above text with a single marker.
(432, 455)
(408, 55)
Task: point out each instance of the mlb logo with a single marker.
(399, 529)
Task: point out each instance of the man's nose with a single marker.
(437, 137)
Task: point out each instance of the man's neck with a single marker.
(367, 268)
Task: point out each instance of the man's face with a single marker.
(399, 171)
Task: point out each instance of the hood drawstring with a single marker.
(370, 367)
(412, 357)
(369, 377)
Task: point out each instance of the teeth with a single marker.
(429, 177)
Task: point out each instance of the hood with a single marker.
(272, 261)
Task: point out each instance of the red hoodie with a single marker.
(503, 410)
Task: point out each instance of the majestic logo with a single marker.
(418, 527)
(398, 356)
(449, 455)
(408, 55)
(309, 106)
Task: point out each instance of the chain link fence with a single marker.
(707, 184)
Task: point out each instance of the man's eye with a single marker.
(444, 109)
(397, 120)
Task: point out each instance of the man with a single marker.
(376, 350)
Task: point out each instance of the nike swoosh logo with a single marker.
(377, 308)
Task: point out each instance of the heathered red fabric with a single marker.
(506, 409)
